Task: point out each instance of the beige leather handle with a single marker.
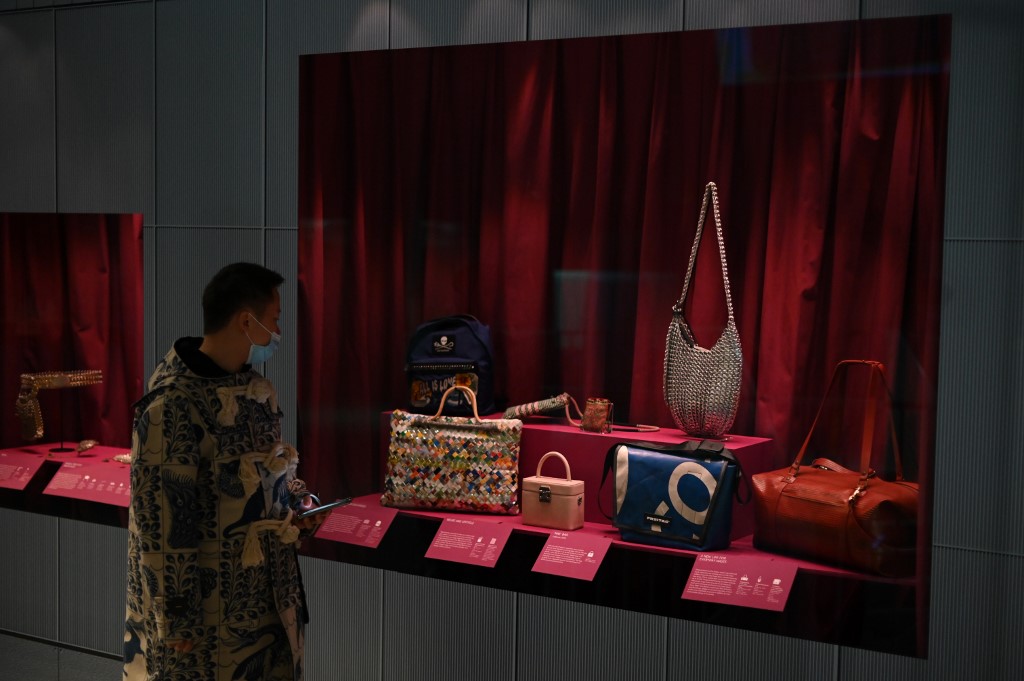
(470, 395)
(540, 464)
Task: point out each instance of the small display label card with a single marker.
(17, 468)
(358, 523)
(571, 554)
(469, 541)
(746, 581)
(102, 483)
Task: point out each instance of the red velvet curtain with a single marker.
(552, 189)
(72, 291)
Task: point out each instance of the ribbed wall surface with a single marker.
(28, 587)
(560, 19)
(978, 462)
(434, 629)
(294, 29)
(569, 641)
(24, 659)
(705, 651)
(186, 260)
(209, 90)
(717, 14)
(92, 585)
(415, 23)
(282, 257)
(27, 133)
(976, 625)
(986, 109)
(105, 109)
(343, 639)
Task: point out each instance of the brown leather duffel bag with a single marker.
(829, 513)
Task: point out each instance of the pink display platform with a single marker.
(586, 454)
(104, 482)
(45, 452)
(92, 475)
(744, 546)
(17, 468)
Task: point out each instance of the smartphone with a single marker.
(324, 508)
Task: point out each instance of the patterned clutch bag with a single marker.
(453, 463)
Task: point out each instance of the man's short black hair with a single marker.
(242, 285)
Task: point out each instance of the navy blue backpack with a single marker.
(450, 351)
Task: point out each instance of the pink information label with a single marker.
(575, 555)
(746, 581)
(469, 541)
(104, 483)
(16, 469)
(357, 523)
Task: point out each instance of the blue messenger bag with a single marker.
(678, 496)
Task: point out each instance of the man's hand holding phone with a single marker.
(311, 518)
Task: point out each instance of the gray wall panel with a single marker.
(210, 99)
(705, 651)
(976, 623)
(105, 109)
(980, 398)
(985, 168)
(551, 642)
(27, 589)
(150, 314)
(415, 23)
(77, 666)
(282, 369)
(27, 136)
(562, 19)
(305, 28)
(343, 637)
(92, 585)
(876, 9)
(717, 14)
(426, 639)
(23, 659)
(188, 258)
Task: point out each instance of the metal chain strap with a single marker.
(710, 190)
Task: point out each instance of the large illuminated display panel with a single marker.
(552, 188)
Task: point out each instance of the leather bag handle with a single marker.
(876, 378)
(710, 193)
(471, 396)
(540, 464)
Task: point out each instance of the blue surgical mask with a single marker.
(258, 354)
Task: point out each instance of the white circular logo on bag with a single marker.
(705, 477)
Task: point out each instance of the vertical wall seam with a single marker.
(266, 97)
(56, 126)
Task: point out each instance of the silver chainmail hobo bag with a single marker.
(702, 385)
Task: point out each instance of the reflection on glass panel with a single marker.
(553, 190)
(72, 289)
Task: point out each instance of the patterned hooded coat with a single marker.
(211, 546)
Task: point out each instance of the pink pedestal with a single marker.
(586, 454)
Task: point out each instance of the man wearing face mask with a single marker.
(214, 590)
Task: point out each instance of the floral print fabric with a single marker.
(208, 469)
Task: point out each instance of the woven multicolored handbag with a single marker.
(453, 463)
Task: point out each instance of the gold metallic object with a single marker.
(27, 404)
